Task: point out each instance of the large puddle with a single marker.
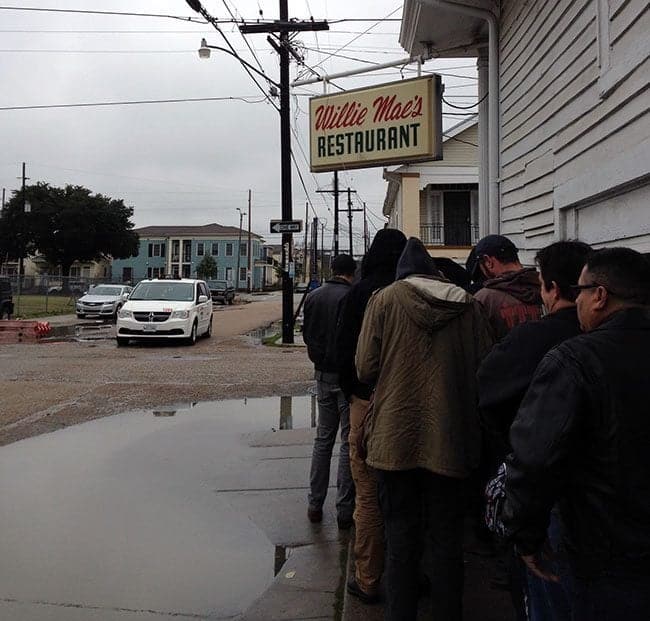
(123, 515)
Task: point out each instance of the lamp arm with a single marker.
(245, 63)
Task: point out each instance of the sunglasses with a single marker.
(579, 288)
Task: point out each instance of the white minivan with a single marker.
(178, 309)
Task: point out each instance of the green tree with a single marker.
(207, 269)
(66, 225)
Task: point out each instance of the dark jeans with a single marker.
(551, 601)
(423, 514)
(614, 597)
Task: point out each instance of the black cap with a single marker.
(496, 246)
(343, 264)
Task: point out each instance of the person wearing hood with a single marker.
(377, 271)
(510, 292)
(420, 345)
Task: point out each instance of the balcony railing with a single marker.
(431, 234)
(434, 234)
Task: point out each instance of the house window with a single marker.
(176, 244)
(199, 249)
(127, 274)
(215, 249)
(155, 272)
(243, 250)
(156, 250)
(229, 249)
(242, 274)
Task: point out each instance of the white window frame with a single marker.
(215, 246)
(229, 249)
(200, 249)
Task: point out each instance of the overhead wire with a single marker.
(248, 100)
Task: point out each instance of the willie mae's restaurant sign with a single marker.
(388, 124)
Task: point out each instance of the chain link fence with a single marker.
(43, 294)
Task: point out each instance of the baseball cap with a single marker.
(491, 246)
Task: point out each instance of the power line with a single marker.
(131, 103)
(358, 36)
(89, 12)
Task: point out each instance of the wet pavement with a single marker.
(185, 511)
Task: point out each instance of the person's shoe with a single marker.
(359, 593)
(345, 523)
(315, 515)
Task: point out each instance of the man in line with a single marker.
(506, 372)
(420, 344)
(510, 292)
(581, 439)
(377, 271)
(319, 328)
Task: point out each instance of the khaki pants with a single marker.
(368, 523)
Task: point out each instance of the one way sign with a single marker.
(286, 226)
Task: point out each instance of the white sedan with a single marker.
(102, 301)
(178, 309)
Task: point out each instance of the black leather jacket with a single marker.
(582, 438)
(322, 307)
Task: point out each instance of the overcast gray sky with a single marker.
(184, 162)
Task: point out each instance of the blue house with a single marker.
(176, 251)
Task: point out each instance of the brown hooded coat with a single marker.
(420, 344)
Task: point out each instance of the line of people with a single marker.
(535, 375)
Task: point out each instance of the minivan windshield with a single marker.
(172, 291)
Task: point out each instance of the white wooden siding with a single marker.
(460, 150)
(566, 116)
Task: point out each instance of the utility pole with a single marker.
(21, 264)
(241, 221)
(249, 272)
(336, 193)
(365, 229)
(322, 251)
(284, 27)
(305, 272)
(336, 212)
(350, 210)
(313, 255)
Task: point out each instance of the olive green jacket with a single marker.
(420, 345)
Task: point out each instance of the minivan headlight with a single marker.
(125, 314)
(180, 314)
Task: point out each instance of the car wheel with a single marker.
(208, 332)
(81, 316)
(191, 340)
(230, 301)
(121, 341)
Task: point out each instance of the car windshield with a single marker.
(172, 291)
(105, 290)
(218, 284)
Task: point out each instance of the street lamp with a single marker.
(204, 52)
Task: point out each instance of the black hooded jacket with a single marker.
(377, 271)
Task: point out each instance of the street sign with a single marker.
(286, 226)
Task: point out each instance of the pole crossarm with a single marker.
(280, 26)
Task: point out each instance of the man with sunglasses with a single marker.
(581, 438)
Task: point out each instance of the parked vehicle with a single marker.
(75, 287)
(175, 308)
(221, 291)
(103, 301)
(6, 299)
